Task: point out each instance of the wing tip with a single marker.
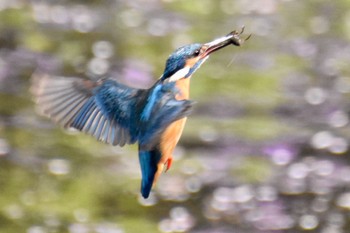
(36, 84)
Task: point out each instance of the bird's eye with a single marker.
(196, 53)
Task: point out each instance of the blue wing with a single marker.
(160, 110)
(104, 109)
(113, 113)
(110, 111)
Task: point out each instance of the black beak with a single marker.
(231, 38)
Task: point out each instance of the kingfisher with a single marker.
(118, 114)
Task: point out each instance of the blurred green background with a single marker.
(266, 149)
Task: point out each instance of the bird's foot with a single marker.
(168, 164)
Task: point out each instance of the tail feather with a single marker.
(148, 163)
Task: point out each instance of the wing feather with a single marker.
(85, 112)
(100, 127)
(116, 136)
(122, 137)
(72, 111)
(59, 104)
(66, 112)
(52, 100)
(90, 120)
(105, 131)
(101, 108)
(107, 110)
(95, 124)
(110, 137)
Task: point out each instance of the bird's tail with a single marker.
(148, 163)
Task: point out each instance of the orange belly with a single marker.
(172, 134)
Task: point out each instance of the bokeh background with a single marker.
(266, 149)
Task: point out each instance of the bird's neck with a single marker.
(183, 85)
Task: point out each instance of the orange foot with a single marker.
(160, 168)
(168, 164)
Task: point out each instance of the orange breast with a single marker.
(172, 134)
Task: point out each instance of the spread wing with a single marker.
(103, 109)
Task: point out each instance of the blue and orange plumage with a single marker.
(117, 114)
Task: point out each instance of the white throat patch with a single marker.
(179, 74)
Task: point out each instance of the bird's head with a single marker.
(184, 61)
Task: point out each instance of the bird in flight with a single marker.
(118, 114)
